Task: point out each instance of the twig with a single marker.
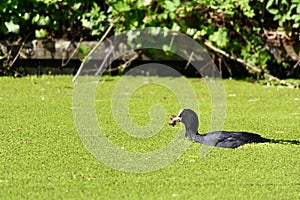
(267, 75)
(128, 62)
(228, 68)
(281, 82)
(104, 61)
(21, 47)
(291, 72)
(3, 50)
(220, 66)
(10, 51)
(189, 61)
(208, 44)
(296, 65)
(63, 64)
(95, 47)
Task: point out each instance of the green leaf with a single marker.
(172, 15)
(279, 17)
(176, 2)
(26, 16)
(273, 11)
(121, 6)
(43, 21)
(298, 8)
(95, 32)
(296, 17)
(269, 4)
(35, 19)
(170, 6)
(191, 31)
(220, 37)
(76, 6)
(84, 49)
(86, 23)
(164, 15)
(12, 27)
(42, 33)
(175, 27)
(135, 23)
(166, 47)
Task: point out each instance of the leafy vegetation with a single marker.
(240, 27)
(41, 155)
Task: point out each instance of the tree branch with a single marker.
(95, 47)
(260, 71)
(21, 47)
(209, 45)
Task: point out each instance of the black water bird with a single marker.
(223, 139)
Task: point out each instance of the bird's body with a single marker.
(225, 139)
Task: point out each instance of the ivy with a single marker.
(220, 37)
(94, 19)
(11, 27)
(287, 13)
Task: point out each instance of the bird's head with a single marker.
(188, 117)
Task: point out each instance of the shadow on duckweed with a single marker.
(285, 142)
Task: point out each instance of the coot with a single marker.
(223, 139)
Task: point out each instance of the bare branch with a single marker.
(21, 47)
(209, 45)
(63, 64)
(267, 75)
(95, 47)
(296, 65)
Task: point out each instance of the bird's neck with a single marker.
(194, 135)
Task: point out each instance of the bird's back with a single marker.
(228, 139)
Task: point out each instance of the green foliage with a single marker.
(94, 19)
(11, 27)
(51, 16)
(84, 49)
(235, 26)
(220, 37)
(42, 33)
(286, 12)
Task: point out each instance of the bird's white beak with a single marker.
(177, 119)
(174, 120)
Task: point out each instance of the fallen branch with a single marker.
(281, 82)
(209, 45)
(255, 69)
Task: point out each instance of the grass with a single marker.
(42, 156)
